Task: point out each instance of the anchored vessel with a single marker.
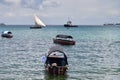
(56, 61)
(64, 39)
(6, 34)
(38, 23)
(69, 24)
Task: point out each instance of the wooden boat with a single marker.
(56, 61)
(38, 23)
(64, 40)
(69, 24)
(6, 34)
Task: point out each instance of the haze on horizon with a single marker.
(57, 12)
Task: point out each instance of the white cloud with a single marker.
(10, 14)
(13, 1)
(46, 4)
(58, 11)
(114, 12)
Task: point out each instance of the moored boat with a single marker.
(64, 39)
(109, 24)
(56, 61)
(38, 23)
(69, 24)
(117, 24)
(6, 34)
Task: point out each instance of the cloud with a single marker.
(11, 2)
(31, 4)
(49, 3)
(58, 11)
(39, 4)
(10, 14)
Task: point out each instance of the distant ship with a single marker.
(38, 23)
(117, 24)
(109, 24)
(112, 24)
(69, 24)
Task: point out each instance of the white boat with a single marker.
(6, 34)
(38, 23)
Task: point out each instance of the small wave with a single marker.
(113, 43)
(22, 50)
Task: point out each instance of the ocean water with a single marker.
(96, 55)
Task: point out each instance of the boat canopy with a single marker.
(64, 36)
(59, 60)
(7, 32)
(55, 49)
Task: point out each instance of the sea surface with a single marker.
(96, 55)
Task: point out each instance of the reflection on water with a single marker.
(55, 77)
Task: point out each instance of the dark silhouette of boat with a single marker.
(117, 24)
(6, 34)
(69, 24)
(112, 24)
(64, 39)
(56, 61)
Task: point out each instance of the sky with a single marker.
(57, 12)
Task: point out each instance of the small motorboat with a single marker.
(6, 34)
(64, 39)
(56, 61)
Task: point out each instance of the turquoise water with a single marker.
(96, 55)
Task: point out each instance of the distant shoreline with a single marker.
(3, 24)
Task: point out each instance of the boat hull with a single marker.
(35, 27)
(6, 36)
(64, 42)
(56, 70)
(66, 25)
